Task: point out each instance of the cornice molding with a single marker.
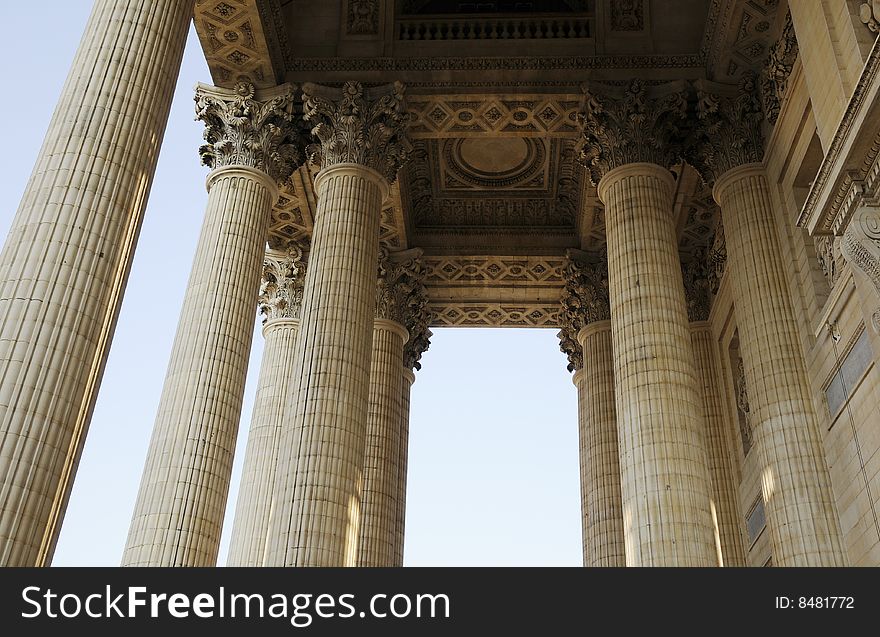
(850, 168)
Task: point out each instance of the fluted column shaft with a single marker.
(320, 469)
(600, 465)
(251, 524)
(182, 499)
(664, 476)
(725, 512)
(379, 505)
(64, 267)
(403, 462)
(796, 485)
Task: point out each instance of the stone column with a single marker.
(320, 465)
(409, 378)
(252, 145)
(399, 282)
(417, 321)
(801, 515)
(280, 303)
(586, 339)
(64, 266)
(726, 518)
(664, 475)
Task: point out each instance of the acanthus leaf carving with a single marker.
(780, 62)
(401, 296)
(728, 133)
(358, 125)
(861, 248)
(638, 123)
(695, 275)
(281, 290)
(246, 127)
(584, 301)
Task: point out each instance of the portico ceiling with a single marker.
(493, 193)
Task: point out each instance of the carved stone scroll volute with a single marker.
(861, 248)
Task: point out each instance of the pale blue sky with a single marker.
(493, 475)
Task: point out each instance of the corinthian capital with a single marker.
(281, 291)
(635, 123)
(401, 278)
(246, 127)
(728, 133)
(416, 319)
(358, 125)
(584, 301)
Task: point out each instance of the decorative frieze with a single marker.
(246, 127)
(358, 125)
(728, 133)
(584, 301)
(492, 314)
(780, 62)
(281, 290)
(635, 123)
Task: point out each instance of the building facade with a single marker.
(686, 190)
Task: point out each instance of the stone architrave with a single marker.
(319, 478)
(253, 143)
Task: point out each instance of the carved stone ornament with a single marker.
(742, 404)
(253, 128)
(416, 322)
(827, 247)
(281, 291)
(363, 17)
(401, 296)
(695, 275)
(635, 123)
(861, 248)
(358, 125)
(728, 133)
(780, 62)
(869, 14)
(717, 260)
(584, 301)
